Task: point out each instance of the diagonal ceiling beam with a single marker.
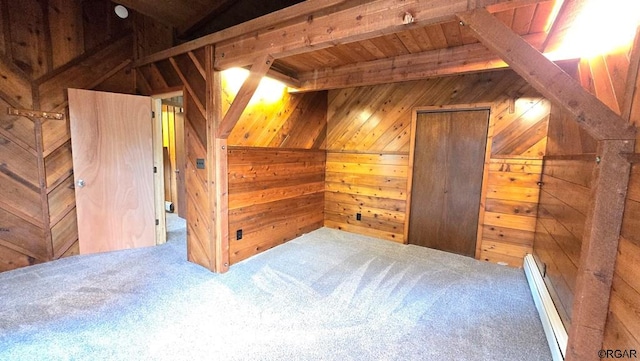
(249, 87)
(546, 77)
(316, 24)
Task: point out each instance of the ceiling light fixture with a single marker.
(121, 11)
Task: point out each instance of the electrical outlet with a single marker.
(358, 216)
(239, 234)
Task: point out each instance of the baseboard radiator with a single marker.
(551, 322)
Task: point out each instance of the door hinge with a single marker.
(155, 170)
(153, 114)
(157, 222)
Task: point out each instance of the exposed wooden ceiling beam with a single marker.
(546, 77)
(248, 88)
(287, 80)
(315, 24)
(301, 10)
(429, 64)
(343, 26)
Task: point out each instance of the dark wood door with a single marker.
(447, 180)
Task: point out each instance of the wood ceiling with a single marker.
(421, 49)
(195, 18)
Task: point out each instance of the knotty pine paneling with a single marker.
(564, 204)
(199, 220)
(622, 329)
(65, 30)
(58, 165)
(275, 195)
(15, 86)
(371, 126)
(61, 200)
(374, 185)
(605, 76)
(46, 48)
(20, 130)
(28, 37)
(510, 207)
(21, 236)
(289, 121)
(64, 234)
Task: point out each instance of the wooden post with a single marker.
(610, 178)
(599, 249)
(546, 77)
(218, 177)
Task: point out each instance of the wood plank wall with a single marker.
(620, 72)
(564, 203)
(276, 171)
(614, 79)
(275, 195)
(45, 48)
(368, 135)
(187, 71)
(623, 322)
(271, 138)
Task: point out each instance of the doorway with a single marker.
(448, 164)
(172, 155)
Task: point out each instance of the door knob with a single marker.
(177, 171)
(80, 183)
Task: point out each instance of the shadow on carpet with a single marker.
(328, 295)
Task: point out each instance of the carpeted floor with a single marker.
(327, 295)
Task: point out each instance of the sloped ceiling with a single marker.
(196, 18)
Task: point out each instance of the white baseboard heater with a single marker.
(551, 322)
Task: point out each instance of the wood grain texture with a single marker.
(624, 309)
(356, 23)
(372, 184)
(275, 195)
(366, 123)
(564, 202)
(199, 221)
(15, 87)
(111, 139)
(47, 47)
(295, 121)
(447, 179)
(621, 330)
(66, 31)
(549, 79)
(28, 37)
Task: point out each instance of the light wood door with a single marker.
(111, 140)
(180, 166)
(447, 180)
